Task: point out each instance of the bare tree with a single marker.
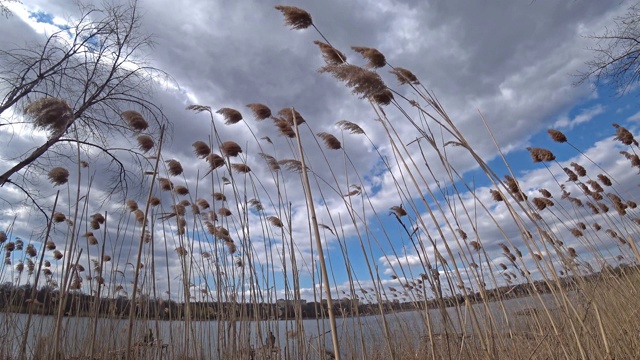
(617, 53)
(4, 9)
(96, 67)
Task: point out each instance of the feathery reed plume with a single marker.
(291, 114)
(132, 205)
(542, 203)
(538, 257)
(571, 174)
(330, 141)
(58, 175)
(51, 114)
(375, 57)
(384, 97)
(215, 161)
(92, 240)
(202, 203)
(106, 258)
(139, 215)
(20, 267)
(174, 167)
(331, 55)
(165, 184)
(3, 237)
(201, 149)
(256, 204)
(398, 211)
(275, 221)
(624, 136)
(231, 247)
(580, 170)
(154, 201)
(241, 168)
(295, 17)
(271, 162)
(182, 251)
(405, 76)
(57, 254)
(557, 135)
(135, 120)
(575, 201)
(218, 196)
(576, 232)
(181, 190)
(632, 204)
(541, 155)
(503, 266)
(604, 179)
(260, 111)
(512, 184)
(581, 225)
(504, 248)
(364, 83)
(145, 143)
(231, 116)
(239, 263)
(224, 212)
(595, 186)
(462, 234)
(475, 245)
(230, 148)
(572, 252)
(291, 165)
(350, 127)
(58, 217)
(31, 250)
(199, 108)
(496, 195)
(545, 193)
(285, 128)
(593, 208)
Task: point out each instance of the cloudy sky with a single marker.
(513, 64)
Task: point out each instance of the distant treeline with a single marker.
(18, 298)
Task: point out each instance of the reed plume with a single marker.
(260, 111)
(145, 143)
(52, 114)
(230, 148)
(201, 149)
(231, 116)
(174, 167)
(330, 141)
(295, 17)
(557, 135)
(405, 76)
(58, 176)
(135, 120)
(376, 58)
(331, 55)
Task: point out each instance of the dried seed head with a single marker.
(231, 247)
(224, 212)
(275, 221)
(58, 175)
(3, 237)
(571, 174)
(475, 245)
(201, 149)
(330, 54)
(92, 240)
(290, 115)
(230, 148)
(595, 186)
(462, 234)
(106, 258)
(132, 205)
(199, 108)
(576, 232)
(260, 111)
(291, 165)
(271, 162)
(383, 98)
(557, 136)
(165, 184)
(295, 17)
(285, 128)
(50, 245)
(398, 211)
(542, 203)
(375, 57)
(503, 266)
(350, 127)
(545, 193)
(604, 179)
(215, 161)
(219, 196)
(632, 204)
(405, 76)
(58, 217)
(572, 252)
(174, 167)
(182, 251)
(57, 254)
(181, 190)
(202, 203)
(496, 195)
(179, 209)
(231, 116)
(154, 201)
(139, 215)
(541, 155)
(31, 250)
(256, 204)
(364, 83)
(145, 143)
(580, 170)
(330, 141)
(51, 114)
(624, 136)
(241, 168)
(135, 120)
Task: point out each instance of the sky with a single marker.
(512, 64)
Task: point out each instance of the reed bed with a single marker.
(225, 232)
